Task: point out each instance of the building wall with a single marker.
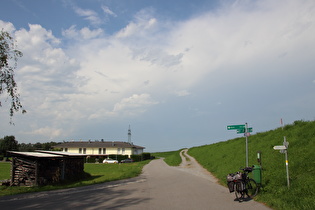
(108, 151)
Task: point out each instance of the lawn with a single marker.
(5, 168)
(99, 173)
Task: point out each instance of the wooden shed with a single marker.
(42, 168)
(73, 166)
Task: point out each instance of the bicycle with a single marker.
(245, 188)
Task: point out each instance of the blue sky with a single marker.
(177, 72)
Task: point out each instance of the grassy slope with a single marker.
(172, 158)
(227, 157)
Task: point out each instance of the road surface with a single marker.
(160, 186)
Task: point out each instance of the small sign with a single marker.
(286, 144)
(242, 130)
(281, 147)
(235, 127)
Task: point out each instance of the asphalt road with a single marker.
(158, 187)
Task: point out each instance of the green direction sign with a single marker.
(242, 130)
(235, 127)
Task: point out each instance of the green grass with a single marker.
(227, 157)
(172, 158)
(5, 168)
(99, 173)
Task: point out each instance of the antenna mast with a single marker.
(129, 135)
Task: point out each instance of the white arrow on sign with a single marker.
(279, 147)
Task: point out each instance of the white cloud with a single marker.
(7, 26)
(157, 56)
(142, 25)
(89, 15)
(134, 104)
(49, 132)
(43, 60)
(182, 93)
(37, 37)
(84, 33)
(108, 11)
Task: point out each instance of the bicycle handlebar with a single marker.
(247, 169)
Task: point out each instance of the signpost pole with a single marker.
(242, 129)
(286, 144)
(246, 139)
(286, 162)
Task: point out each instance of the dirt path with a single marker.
(190, 165)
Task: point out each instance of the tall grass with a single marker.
(226, 157)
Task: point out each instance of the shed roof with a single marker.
(35, 154)
(69, 154)
(97, 144)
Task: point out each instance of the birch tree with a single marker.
(8, 63)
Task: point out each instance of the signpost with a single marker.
(235, 127)
(281, 147)
(242, 129)
(284, 149)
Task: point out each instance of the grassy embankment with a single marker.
(172, 158)
(99, 173)
(227, 157)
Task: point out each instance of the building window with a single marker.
(80, 150)
(84, 150)
(104, 151)
(65, 149)
(99, 151)
(118, 150)
(123, 151)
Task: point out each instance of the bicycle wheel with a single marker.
(239, 191)
(251, 188)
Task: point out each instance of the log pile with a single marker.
(24, 172)
(49, 171)
(74, 168)
(34, 169)
(27, 172)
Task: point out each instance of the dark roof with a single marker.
(95, 144)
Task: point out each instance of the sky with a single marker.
(177, 72)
